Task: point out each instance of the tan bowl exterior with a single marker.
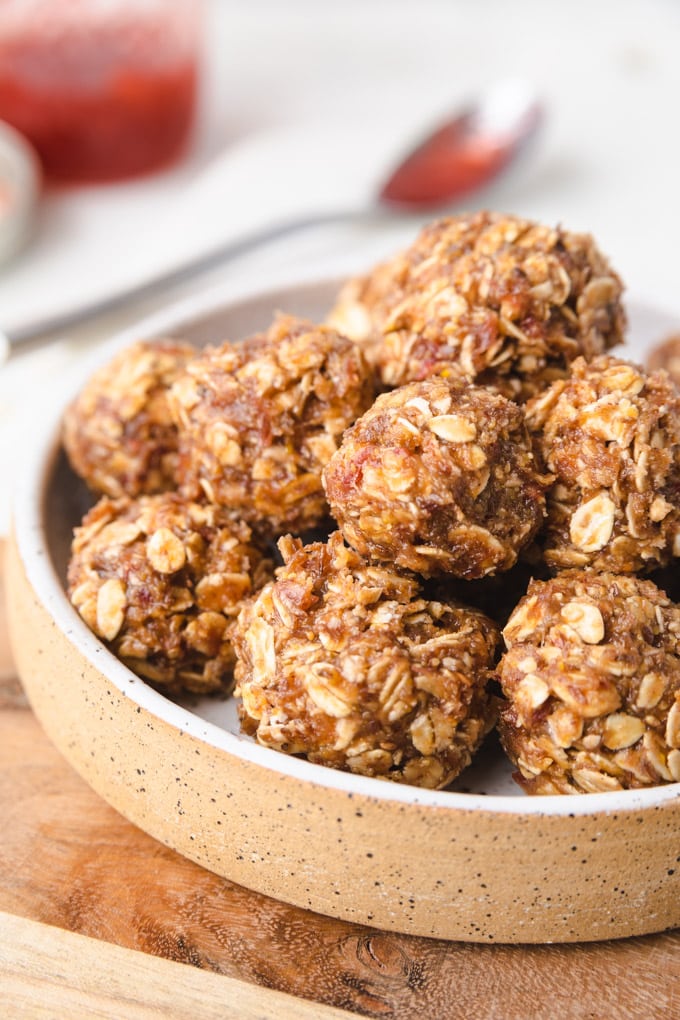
(551, 869)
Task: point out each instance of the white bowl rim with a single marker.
(27, 514)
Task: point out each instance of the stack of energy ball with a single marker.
(487, 464)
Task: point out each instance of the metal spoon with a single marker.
(458, 159)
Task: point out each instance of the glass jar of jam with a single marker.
(104, 89)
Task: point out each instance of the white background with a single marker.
(295, 85)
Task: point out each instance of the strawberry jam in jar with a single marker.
(104, 89)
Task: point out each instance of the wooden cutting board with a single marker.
(70, 861)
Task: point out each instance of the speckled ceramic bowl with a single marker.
(483, 863)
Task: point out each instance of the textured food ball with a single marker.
(438, 477)
(592, 678)
(362, 308)
(119, 433)
(611, 437)
(161, 581)
(666, 355)
(502, 300)
(259, 420)
(345, 663)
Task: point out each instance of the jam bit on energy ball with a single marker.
(438, 477)
(610, 435)
(260, 419)
(161, 581)
(592, 681)
(118, 433)
(343, 662)
(501, 300)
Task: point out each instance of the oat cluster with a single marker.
(502, 300)
(509, 447)
(119, 433)
(610, 436)
(592, 678)
(259, 420)
(161, 580)
(346, 662)
(438, 477)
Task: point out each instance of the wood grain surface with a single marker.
(47, 972)
(69, 860)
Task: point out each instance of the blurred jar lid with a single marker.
(20, 179)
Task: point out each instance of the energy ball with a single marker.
(611, 437)
(666, 355)
(345, 663)
(592, 678)
(161, 581)
(501, 300)
(363, 306)
(118, 433)
(438, 477)
(260, 419)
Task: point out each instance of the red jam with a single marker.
(448, 166)
(100, 101)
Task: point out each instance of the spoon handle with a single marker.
(40, 329)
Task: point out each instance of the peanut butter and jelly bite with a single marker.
(438, 477)
(610, 435)
(499, 299)
(260, 419)
(161, 580)
(592, 681)
(118, 433)
(344, 662)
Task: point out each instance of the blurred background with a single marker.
(303, 107)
